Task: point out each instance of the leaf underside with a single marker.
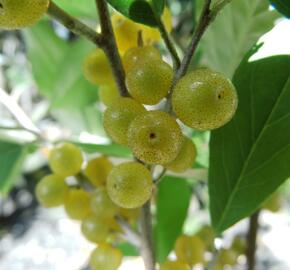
(250, 156)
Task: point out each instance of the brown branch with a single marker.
(252, 240)
(73, 24)
(147, 249)
(110, 46)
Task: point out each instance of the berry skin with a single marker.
(155, 137)
(190, 249)
(204, 100)
(149, 81)
(97, 69)
(273, 203)
(239, 245)
(126, 32)
(185, 157)
(66, 159)
(130, 214)
(227, 257)
(15, 14)
(206, 233)
(118, 117)
(77, 204)
(137, 54)
(102, 205)
(174, 265)
(51, 190)
(97, 170)
(94, 229)
(108, 94)
(105, 257)
(130, 185)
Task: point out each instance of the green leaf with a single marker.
(172, 204)
(11, 156)
(57, 67)
(283, 6)
(236, 29)
(250, 156)
(116, 150)
(84, 8)
(141, 11)
(128, 249)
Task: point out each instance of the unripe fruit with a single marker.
(137, 54)
(190, 249)
(97, 170)
(185, 157)
(239, 244)
(273, 203)
(97, 69)
(94, 229)
(206, 233)
(105, 257)
(155, 137)
(77, 204)
(204, 100)
(126, 32)
(15, 14)
(130, 214)
(227, 257)
(66, 159)
(176, 265)
(51, 190)
(108, 94)
(149, 81)
(119, 116)
(101, 205)
(130, 185)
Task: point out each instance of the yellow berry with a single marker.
(155, 137)
(227, 257)
(206, 233)
(126, 32)
(102, 205)
(273, 203)
(97, 170)
(149, 81)
(118, 117)
(130, 214)
(15, 14)
(105, 257)
(137, 54)
(174, 265)
(77, 204)
(94, 229)
(239, 244)
(97, 69)
(108, 94)
(51, 190)
(66, 159)
(190, 249)
(130, 185)
(185, 157)
(204, 100)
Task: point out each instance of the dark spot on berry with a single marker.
(152, 135)
(1, 5)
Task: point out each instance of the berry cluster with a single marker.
(83, 193)
(192, 250)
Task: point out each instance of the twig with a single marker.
(129, 234)
(252, 240)
(73, 24)
(110, 46)
(168, 42)
(158, 179)
(18, 113)
(147, 249)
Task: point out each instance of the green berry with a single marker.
(206, 233)
(273, 203)
(77, 204)
(130, 185)
(204, 100)
(95, 229)
(66, 159)
(227, 257)
(119, 116)
(108, 94)
(105, 257)
(155, 137)
(102, 205)
(137, 54)
(97, 170)
(51, 190)
(149, 81)
(15, 14)
(190, 249)
(174, 265)
(185, 157)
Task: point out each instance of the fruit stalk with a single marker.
(252, 240)
(110, 46)
(147, 250)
